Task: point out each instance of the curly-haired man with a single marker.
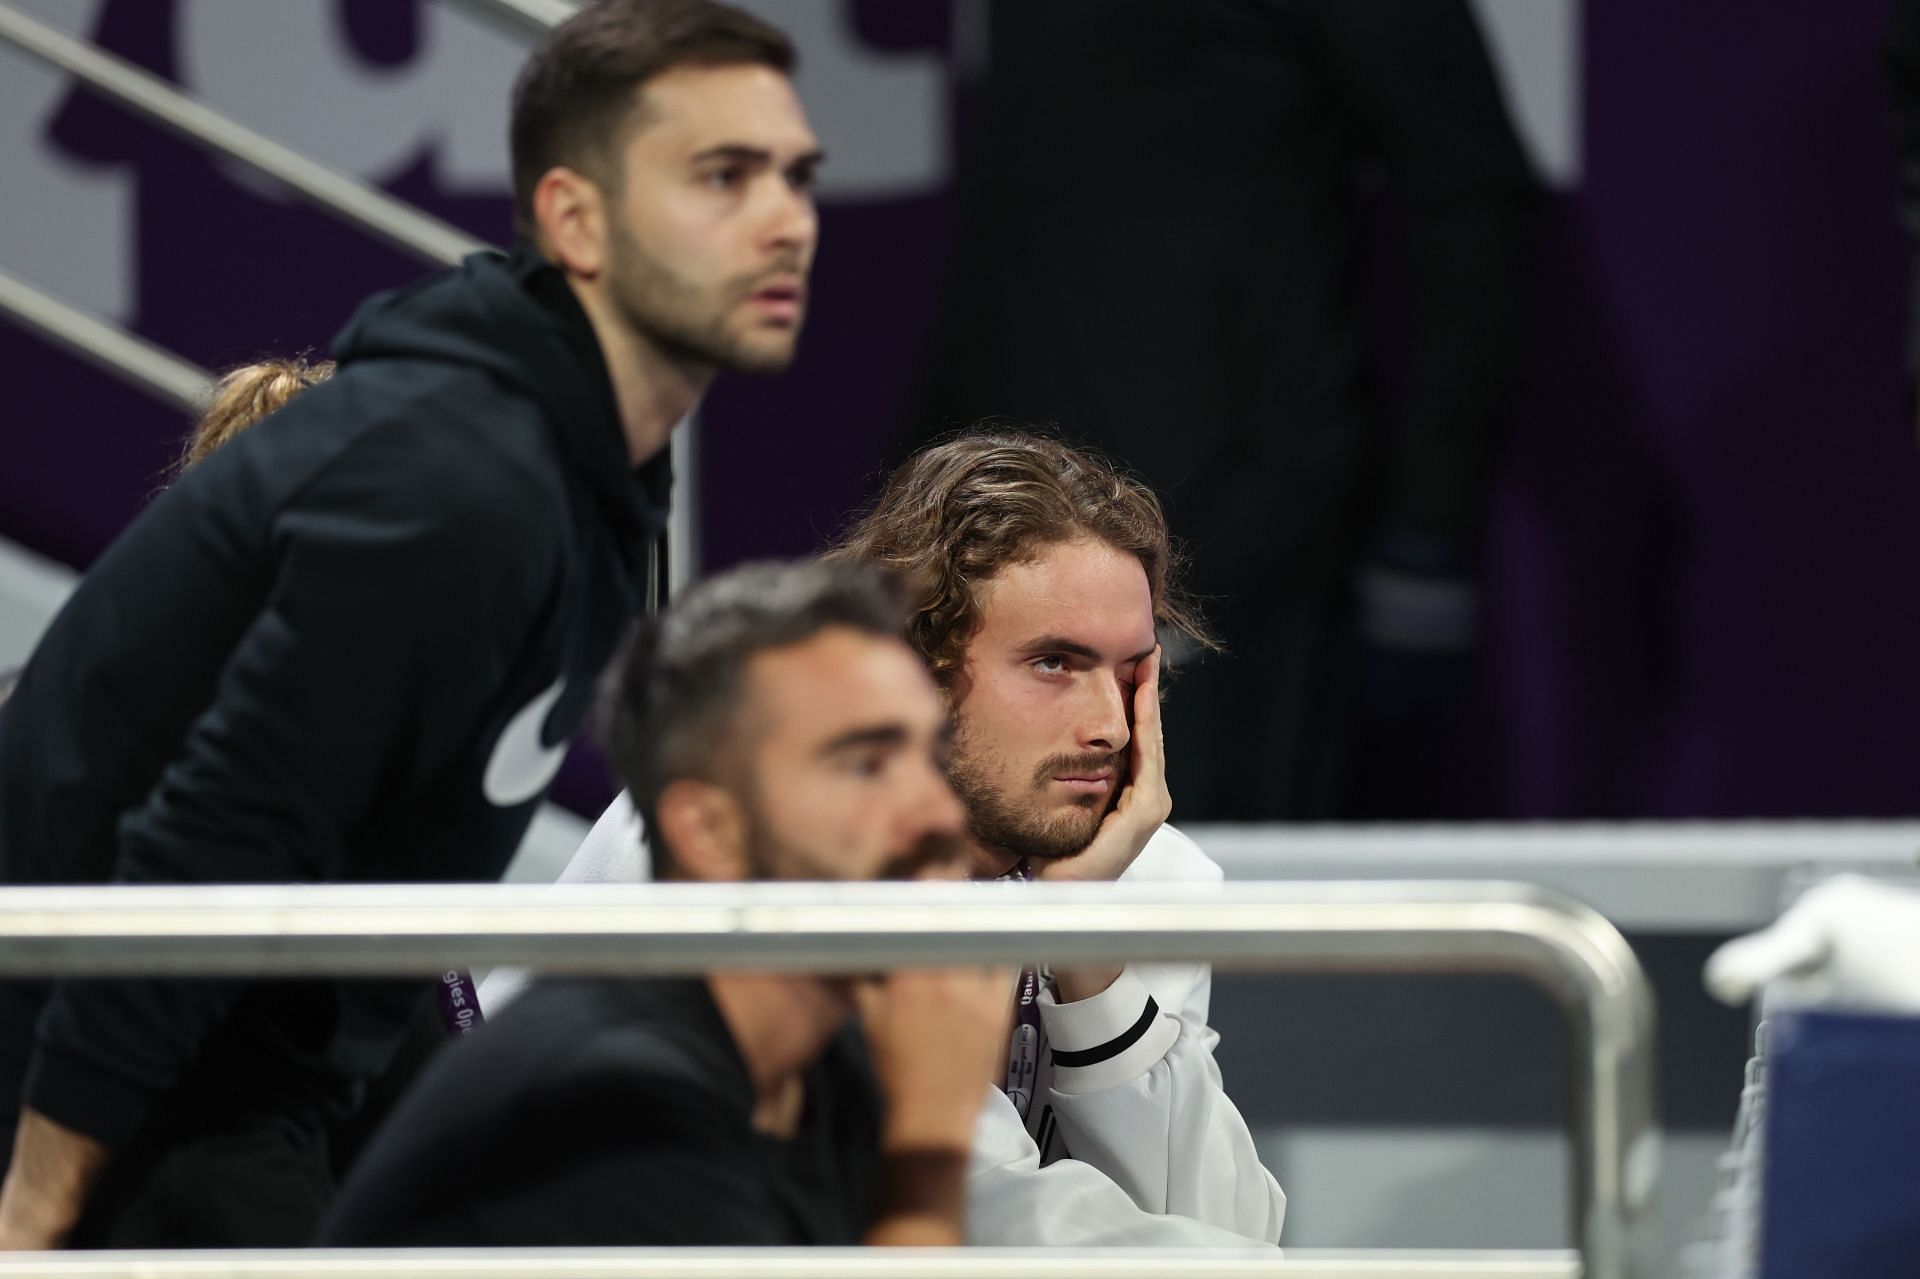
(1041, 581)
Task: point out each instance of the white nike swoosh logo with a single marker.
(520, 766)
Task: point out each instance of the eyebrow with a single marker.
(1061, 644)
(741, 153)
(877, 735)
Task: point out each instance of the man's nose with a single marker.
(933, 808)
(793, 222)
(1104, 726)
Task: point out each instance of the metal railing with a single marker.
(399, 223)
(372, 210)
(360, 930)
(526, 17)
(795, 1263)
(133, 359)
(111, 347)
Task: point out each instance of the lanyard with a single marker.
(1023, 1048)
(459, 1004)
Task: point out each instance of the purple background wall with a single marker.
(1705, 550)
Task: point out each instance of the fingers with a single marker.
(1149, 746)
(984, 986)
(949, 1012)
(1005, 979)
(1146, 695)
(989, 986)
(870, 998)
(985, 993)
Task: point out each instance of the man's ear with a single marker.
(571, 212)
(705, 830)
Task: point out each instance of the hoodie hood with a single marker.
(513, 316)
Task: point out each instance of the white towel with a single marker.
(1849, 943)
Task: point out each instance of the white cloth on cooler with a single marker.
(1849, 943)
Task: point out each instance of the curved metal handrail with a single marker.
(634, 929)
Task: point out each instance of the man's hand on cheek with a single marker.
(1141, 810)
(1144, 802)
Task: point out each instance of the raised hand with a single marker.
(1142, 809)
(937, 1037)
(1144, 804)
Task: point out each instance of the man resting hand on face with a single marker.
(1039, 580)
(772, 726)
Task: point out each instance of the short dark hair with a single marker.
(576, 95)
(672, 709)
(954, 514)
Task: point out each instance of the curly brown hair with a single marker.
(956, 513)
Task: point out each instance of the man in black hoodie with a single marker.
(352, 644)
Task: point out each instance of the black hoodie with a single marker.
(348, 646)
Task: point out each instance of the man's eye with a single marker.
(867, 765)
(802, 179)
(1051, 664)
(724, 179)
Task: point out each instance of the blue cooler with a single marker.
(1841, 1187)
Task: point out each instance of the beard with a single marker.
(688, 322)
(1017, 820)
(772, 858)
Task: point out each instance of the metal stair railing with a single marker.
(372, 210)
(140, 363)
(113, 348)
(133, 359)
(632, 930)
(528, 17)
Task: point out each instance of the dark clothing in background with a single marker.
(1161, 249)
(208, 1174)
(1901, 57)
(595, 1113)
(347, 646)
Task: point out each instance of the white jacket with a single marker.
(1143, 1147)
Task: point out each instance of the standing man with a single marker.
(352, 644)
(1041, 582)
(774, 726)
